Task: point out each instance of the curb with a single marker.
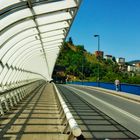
(112, 92)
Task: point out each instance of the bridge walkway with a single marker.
(37, 117)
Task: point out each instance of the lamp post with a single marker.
(98, 79)
(82, 66)
(82, 69)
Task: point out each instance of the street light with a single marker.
(98, 41)
(82, 67)
(98, 79)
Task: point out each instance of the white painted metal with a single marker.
(73, 124)
(15, 30)
(54, 26)
(3, 73)
(31, 36)
(5, 79)
(1, 68)
(55, 6)
(5, 3)
(53, 18)
(19, 15)
(53, 33)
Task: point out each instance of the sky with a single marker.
(116, 21)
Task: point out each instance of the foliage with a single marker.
(83, 65)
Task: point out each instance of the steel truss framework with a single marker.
(32, 33)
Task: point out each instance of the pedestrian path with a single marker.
(38, 117)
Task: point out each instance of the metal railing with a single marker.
(72, 127)
(10, 98)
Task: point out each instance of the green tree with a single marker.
(76, 59)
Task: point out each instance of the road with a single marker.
(124, 111)
(124, 104)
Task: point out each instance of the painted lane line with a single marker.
(126, 119)
(123, 95)
(110, 105)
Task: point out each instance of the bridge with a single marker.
(32, 33)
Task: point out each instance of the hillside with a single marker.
(80, 65)
(90, 57)
(134, 62)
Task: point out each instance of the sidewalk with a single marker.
(37, 117)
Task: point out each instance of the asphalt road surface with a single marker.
(125, 112)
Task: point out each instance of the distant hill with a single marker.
(89, 57)
(134, 61)
(72, 47)
(76, 64)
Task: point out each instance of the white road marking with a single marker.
(111, 92)
(110, 105)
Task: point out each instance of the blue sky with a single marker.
(116, 21)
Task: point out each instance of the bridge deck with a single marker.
(38, 117)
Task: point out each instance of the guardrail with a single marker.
(74, 128)
(10, 98)
(129, 88)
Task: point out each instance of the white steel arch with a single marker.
(32, 31)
